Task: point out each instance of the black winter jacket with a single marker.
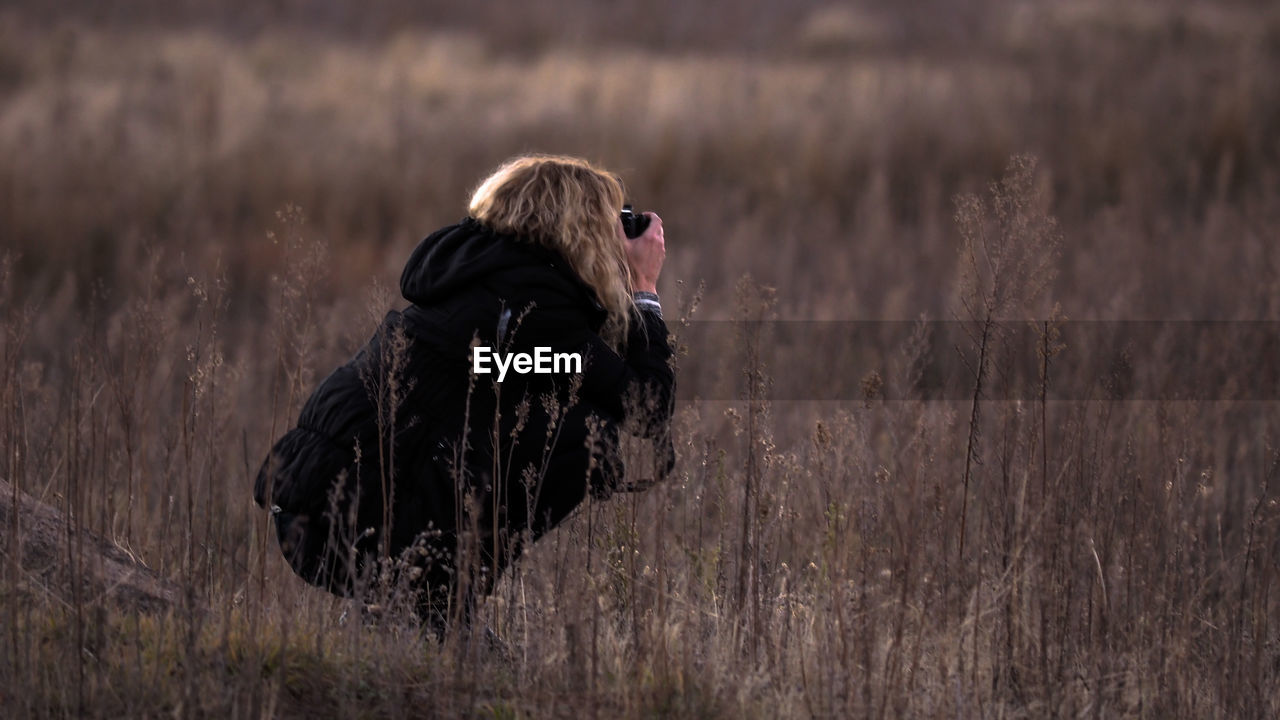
(404, 446)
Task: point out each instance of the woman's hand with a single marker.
(645, 255)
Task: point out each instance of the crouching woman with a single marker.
(450, 440)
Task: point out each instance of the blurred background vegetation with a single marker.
(790, 140)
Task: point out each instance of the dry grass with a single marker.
(163, 319)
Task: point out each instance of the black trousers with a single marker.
(337, 557)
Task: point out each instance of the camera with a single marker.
(633, 223)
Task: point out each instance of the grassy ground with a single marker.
(199, 220)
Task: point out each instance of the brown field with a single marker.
(203, 211)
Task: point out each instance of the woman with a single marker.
(413, 469)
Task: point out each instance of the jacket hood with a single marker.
(460, 255)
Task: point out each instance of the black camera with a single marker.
(633, 223)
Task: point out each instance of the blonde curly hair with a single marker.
(568, 205)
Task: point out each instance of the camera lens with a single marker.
(633, 223)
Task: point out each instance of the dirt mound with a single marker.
(35, 537)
